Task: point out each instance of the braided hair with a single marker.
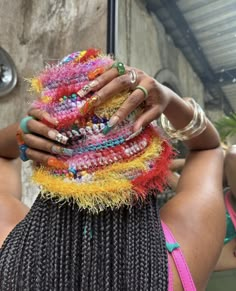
(61, 247)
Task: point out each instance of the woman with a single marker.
(77, 239)
(227, 258)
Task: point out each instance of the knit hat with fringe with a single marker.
(97, 170)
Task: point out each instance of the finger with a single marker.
(43, 130)
(147, 117)
(38, 156)
(121, 83)
(43, 116)
(100, 81)
(38, 143)
(132, 103)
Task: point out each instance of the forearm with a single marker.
(8, 143)
(180, 113)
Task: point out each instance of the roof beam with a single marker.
(188, 39)
(224, 78)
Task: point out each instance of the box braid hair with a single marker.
(95, 224)
(61, 247)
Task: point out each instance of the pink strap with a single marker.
(170, 275)
(180, 262)
(230, 208)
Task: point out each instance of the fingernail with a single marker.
(106, 129)
(61, 151)
(111, 124)
(88, 105)
(68, 152)
(55, 163)
(136, 133)
(83, 91)
(55, 135)
(113, 121)
(51, 123)
(94, 83)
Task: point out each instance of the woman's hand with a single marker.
(156, 101)
(43, 141)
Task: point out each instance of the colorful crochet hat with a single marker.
(97, 170)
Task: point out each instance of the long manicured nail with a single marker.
(55, 135)
(93, 84)
(61, 151)
(55, 163)
(111, 124)
(87, 88)
(52, 122)
(89, 105)
(113, 121)
(136, 133)
(84, 91)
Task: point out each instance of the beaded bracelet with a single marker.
(195, 127)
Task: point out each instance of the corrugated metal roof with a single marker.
(213, 24)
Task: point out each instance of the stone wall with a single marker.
(143, 42)
(34, 32)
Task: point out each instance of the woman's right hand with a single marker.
(43, 140)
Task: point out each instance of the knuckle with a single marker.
(152, 83)
(124, 80)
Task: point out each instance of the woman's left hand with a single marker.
(143, 87)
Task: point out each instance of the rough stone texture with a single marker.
(143, 43)
(34, 32)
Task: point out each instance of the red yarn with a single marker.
(90, 54)
(155, 179)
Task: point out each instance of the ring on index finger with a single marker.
(120, 68)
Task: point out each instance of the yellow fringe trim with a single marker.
(108, 189)
(35, 85)
(111, 105)
(95, 196)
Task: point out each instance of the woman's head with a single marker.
(64, 246)
(100, 167)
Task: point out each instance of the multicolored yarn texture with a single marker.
(100, 170)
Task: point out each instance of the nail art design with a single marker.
(61, 151)
(88, 105)
(50, 123)
(55, 135)
(111, 124)
(55, 163)
(136, 133)
(82, 92)
(61, 138)
(93, 84)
